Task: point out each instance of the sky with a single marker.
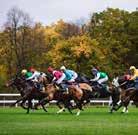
(50, 11)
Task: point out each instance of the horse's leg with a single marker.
(29, 106)
(42, 101)
(58, 104)
(61, 110)
(111, 103)
(125, 109)
(61, 107)
(126, 103)
(114, 106)
(43, 106)
(22, 104)
(111, 108)
(87, 101)
(78, 113)
(79, 107)
(69, 109)
(20, 99)
(68, 106)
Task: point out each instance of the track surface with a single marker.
(92, 121)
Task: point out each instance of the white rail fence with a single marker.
(4, 101)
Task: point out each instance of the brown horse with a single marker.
(27, 92)
(126, 95)
(76, 93)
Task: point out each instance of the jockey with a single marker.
(26, 73)
(58, 76)
(70, 74)
(133, 72)
(100, 77)
(133, 77)
(35, 75)
(35, 79)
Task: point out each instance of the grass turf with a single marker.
(92, 121)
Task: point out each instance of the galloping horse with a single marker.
(27, 92)
(76, 92)
(126, 94)
(101, 92)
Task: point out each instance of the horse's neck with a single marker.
(50, 89)
(19, 88)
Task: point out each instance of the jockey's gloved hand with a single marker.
(53, 81)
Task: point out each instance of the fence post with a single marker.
(4, 102)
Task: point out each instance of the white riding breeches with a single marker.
(75, 75)
(61, 79)
(102, 80)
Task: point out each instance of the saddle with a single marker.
(101, 89)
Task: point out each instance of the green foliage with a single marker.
(109, 41)
(112, 28)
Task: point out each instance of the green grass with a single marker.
(92, 121)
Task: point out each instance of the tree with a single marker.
(78, 52)
(110, 28)
(17, 27)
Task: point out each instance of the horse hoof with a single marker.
(58, 112)
(64, 110)
(27, 112)
(78, 113)
(36, 108)
(126, 112)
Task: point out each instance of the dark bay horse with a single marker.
(28, 93)
(126, 94)
(97, 92)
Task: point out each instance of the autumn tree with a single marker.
(17, 27)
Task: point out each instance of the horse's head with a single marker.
(115, 82)
(13, 82)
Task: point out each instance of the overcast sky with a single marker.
(49, 11)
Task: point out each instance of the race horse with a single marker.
(76, 93)
(126, 94)
(28, 93)
(101, 92)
